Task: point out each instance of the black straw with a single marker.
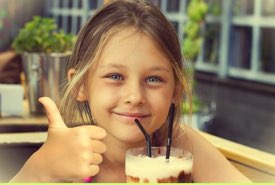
(170, 130)
(147, 138)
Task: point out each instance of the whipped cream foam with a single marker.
(155, 168)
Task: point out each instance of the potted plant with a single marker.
(193, 38)
(44, 50)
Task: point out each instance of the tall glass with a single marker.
(141, 168)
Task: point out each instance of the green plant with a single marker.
(41, 35)
(196, 11)
(214, 7)
(196, 105)
(193, 37)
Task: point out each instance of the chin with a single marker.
(130, 137)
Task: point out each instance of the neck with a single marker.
(112, 169)
(116, 149)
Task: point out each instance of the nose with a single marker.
(134, 93)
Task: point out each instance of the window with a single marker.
(252, 33)
(72, 14)
(267, 54)
(239, 38)
(208, 59)
(175, 11)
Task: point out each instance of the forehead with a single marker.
(131, 44)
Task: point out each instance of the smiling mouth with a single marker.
(132, 116)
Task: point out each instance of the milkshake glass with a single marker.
(141, 168)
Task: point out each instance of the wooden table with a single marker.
(257, 165)
(25, 123)
(26, 129)
(19, 138)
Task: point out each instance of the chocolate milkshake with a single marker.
(141, 168)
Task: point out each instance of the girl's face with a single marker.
(133, 79)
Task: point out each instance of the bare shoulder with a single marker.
(209, 164)
(187, 137)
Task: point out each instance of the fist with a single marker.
(70, 153)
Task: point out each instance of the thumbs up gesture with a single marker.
(69, 153)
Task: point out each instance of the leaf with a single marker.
(41, 35)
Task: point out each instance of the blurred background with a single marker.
(234, 67)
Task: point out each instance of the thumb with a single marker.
(53, 115)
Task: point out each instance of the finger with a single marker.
(97, 158)
(53, 115)
(95, 132)
(94, 169)
(87, 171)
(98, 146)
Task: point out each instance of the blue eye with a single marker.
(115, 77)
(153, 79)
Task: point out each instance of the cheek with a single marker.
(160, 103)
(161, 111)
(101, 99)
(162, 96)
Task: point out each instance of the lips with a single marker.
(131, 115)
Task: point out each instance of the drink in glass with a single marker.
(141, 168)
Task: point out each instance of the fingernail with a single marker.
(88, 180)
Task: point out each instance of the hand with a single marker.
(69, 153)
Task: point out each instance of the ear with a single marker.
(81, 92)
(176, 95)
(70, 73)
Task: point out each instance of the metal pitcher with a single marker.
(45, 75)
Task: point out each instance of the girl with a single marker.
(126, 65)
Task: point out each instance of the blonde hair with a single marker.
(110, 19)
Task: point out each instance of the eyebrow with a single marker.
(159, 68)
(112, 65)
(119, 66)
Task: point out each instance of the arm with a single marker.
(34, 170)
(210, 165)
